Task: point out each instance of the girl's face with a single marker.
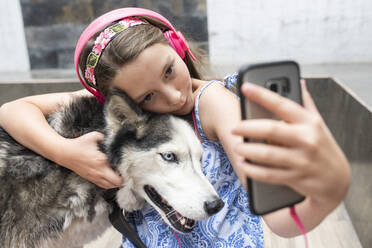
(158, 80)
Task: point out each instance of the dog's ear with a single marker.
(121, 110)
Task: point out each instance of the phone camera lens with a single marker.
(274, 87)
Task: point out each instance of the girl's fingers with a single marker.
(103, 183)
(271, 155)
(111, 176)
(114, 178)
(107, 182)
(308, 101)
(286, 109)
(266, 174)
(278, 132)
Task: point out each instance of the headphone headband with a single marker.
(116, 15)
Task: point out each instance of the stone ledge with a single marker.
(39, 76)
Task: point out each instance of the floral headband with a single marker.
(102, 41)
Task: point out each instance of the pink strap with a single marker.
(193, 120)
(177, 239)
(299, 224)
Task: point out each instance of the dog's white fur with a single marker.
(172, 181)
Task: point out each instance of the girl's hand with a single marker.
(302, 152)
(82, 156)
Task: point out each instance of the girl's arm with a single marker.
(219, 111)
(305, 158)
(24, 119)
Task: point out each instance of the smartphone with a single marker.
(283, 78)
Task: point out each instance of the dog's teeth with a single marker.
(183, 221)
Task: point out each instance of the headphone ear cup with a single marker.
(179, 44)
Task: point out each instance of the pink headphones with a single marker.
(175, 38)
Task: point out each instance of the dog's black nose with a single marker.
(212, 207)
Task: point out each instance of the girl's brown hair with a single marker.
(125, 48)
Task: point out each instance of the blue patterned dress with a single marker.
(233, 226)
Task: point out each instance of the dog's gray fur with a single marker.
(43, 204)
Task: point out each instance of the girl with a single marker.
(132, 49)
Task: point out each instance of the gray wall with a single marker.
(239, 31)
(52, 27)
(311, 32)
(350, 121)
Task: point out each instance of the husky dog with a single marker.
(43, 204)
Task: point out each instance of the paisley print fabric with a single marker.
(233, 226)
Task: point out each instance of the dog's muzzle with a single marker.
(179, 222)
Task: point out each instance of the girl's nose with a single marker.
(173, 96)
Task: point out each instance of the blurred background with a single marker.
(311, 32)
(330, 39)
(41, 34)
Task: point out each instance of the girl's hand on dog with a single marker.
(301, 151)
(82, 156)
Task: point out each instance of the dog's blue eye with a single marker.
(169, 156)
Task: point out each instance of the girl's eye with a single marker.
(169, 71)
(169, 157)
(147, 98)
